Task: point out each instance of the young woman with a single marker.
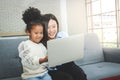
(32, 51)
(70, 68)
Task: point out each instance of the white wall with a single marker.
(70, 14)
(11, 13)
(76, 16)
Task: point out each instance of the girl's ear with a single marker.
(28, 33)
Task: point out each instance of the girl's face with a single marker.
(36, 33)
(52, 29)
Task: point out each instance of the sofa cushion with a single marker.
(101, 70)
(15, 78)
(92, 50)
(10, 64)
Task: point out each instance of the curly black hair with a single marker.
(31, 14)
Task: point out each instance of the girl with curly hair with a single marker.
(33, 52)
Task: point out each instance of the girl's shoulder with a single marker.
(23, 44)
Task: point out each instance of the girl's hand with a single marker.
(45, 59)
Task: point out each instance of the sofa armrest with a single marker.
(112, 54)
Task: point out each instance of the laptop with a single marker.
(64, 50)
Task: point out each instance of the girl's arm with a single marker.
(27, 60)
(41, 60)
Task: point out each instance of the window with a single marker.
(103, 18)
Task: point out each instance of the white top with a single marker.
(30, 53)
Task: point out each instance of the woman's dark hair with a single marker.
(32, 17)
(46, 18)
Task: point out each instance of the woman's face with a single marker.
(52, 29)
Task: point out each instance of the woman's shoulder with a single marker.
(62, 34)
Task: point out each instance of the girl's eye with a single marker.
(41, 32)
(36, 32)
(53, 26)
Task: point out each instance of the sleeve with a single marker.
(29, 61)
(62, 34)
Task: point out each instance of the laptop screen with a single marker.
(64, 50)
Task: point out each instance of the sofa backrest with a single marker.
(10, 65)
(92, 50)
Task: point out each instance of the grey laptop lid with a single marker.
(64, 50)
